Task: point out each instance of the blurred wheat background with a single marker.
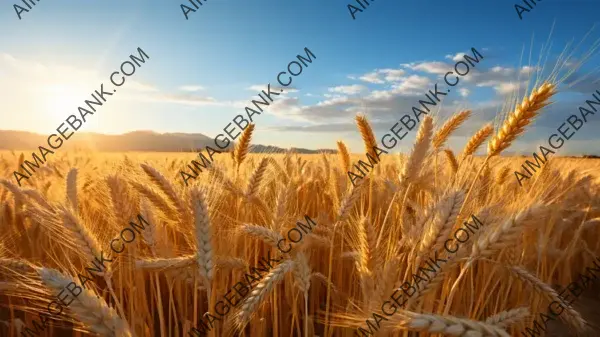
(368, 239)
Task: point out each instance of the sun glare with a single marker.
(61, 100)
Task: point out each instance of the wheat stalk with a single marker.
(498, 237)
(523, 115)
(17, 264)
(447, 325)
(16, 191)
(302, 272)
(476, 140)
(349, 200)
(367, 134)
(280, 206)
(83, 237)
(122, 207)
(203, 237)
(446, 214)
(507, 318)
(502, 175)
(419, 151)
(167, 188)
(442, 134)
(451, 160)
(168, 263)
(149, 234)
(228, 184)
(156, 199)
(72, 188)
(256, 178)
(267, 235)
(264, 287)
(243, 147)
(35, 195)
(89, 309)
(570, 315)
(344, 155)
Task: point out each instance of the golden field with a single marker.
(368, 240)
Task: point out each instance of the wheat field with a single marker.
(369, 238)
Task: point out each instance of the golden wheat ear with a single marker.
(422, 142)
(507, 318)
(446, 325)
(257, 296)
(522, 116)
(256, 178)
(443, 133)
(267, 235)
(476, 140)
(88, 308)
(72, 188)
(570, 315)
(344, 155)
(451, 160)
(159, 180)
(367, 134)
(243, 147)
(204, 233)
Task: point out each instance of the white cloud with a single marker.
(431, 67)
(191, 88)
(456, 57)
(412, 84)
(348, 89)
(186, 99)
(393, 75)
(372, 78)
(507, 87)
(381, 76)
(527, 70)
(502, 70)
(274, 88)
(464, 92)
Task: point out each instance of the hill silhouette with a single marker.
(149, 141)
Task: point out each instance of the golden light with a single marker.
(60, 101)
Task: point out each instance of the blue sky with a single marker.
(203, 71)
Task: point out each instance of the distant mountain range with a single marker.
(132, 141)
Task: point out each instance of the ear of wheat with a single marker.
(256, 179)
(72, 188)
(243, 147)
(498, 237)
(122, 206)
(84, 238)
(419, 152)
(445, 218)
(441, 135)
(349, 200)
(168, 263)
(155, 198)
(505, 319)
(447, 325)
(475, 142)
(367, 134)
(89, 309)
(570, 315)
(203, 236)
(522, 116)
(451, 160)
(344, 155)
(264, 287)
(167, 188)
(267, 235)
